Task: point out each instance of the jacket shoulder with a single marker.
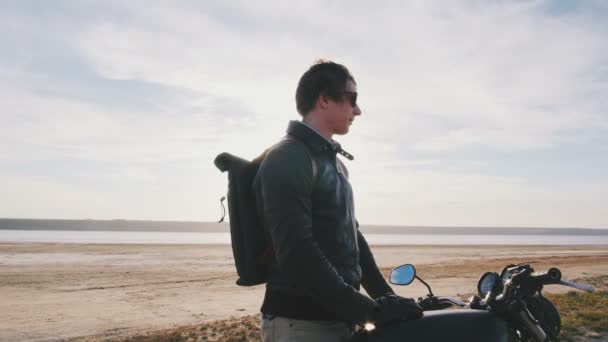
(288, 150)
(286, 168)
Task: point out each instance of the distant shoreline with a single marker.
(212, 227)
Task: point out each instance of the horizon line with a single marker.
(361, 224)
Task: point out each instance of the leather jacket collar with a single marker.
(314, 140)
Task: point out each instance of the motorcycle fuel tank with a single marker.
(446, 326)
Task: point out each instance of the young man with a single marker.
(306, 204)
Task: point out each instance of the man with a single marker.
(306, 204)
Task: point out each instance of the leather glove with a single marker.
(391, 308)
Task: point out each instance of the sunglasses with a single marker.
(352, 97)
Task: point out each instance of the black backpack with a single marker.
(251, 245)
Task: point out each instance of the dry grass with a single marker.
(583, 314)
(242, 329)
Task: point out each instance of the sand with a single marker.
(50, 292)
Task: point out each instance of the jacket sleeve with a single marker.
(283, 187)
(373, 282)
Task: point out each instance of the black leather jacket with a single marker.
(321, 258)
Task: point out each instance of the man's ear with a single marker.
(323, 101)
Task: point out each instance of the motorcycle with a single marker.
(509, 307)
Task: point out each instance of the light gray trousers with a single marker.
(282, 329)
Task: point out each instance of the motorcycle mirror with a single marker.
(486, 283)
(402, 275)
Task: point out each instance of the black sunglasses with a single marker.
(352, 97)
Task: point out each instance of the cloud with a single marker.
(503, 71)
(512, 71)
(496, 70)
(135, 93)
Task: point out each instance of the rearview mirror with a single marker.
(402, 275)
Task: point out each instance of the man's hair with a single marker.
(322, 78)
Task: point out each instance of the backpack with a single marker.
(251, 245)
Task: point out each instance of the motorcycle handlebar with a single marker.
(552, 276)
(439, 303)
(453, 301)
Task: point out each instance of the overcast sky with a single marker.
(475, 113)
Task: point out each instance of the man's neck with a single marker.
(318, 127)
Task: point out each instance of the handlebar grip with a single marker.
(552, 276)
(425, 303)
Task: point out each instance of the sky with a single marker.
(475, 113)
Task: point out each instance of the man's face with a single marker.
(341, 114)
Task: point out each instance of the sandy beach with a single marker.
(51, 292)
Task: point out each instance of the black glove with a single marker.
(391, 308)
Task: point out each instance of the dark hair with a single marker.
(322, 78)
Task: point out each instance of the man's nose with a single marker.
(357, 111)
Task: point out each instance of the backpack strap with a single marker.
(313, 161)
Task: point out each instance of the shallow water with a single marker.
(114, 237)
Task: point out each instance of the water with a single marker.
(117, 237)
(109, 237)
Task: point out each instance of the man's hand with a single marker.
(391, 308)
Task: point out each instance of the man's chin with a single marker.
(342, 131)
